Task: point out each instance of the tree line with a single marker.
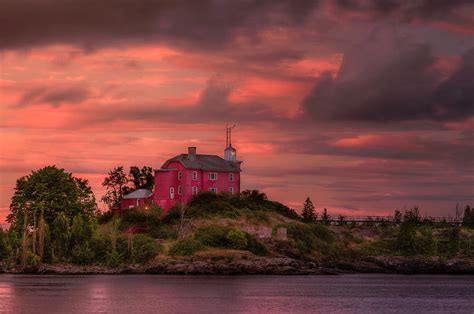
(54, 218)
(309, 214)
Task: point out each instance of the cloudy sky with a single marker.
(366, 106)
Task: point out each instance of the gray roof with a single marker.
(141, 193)
(205, 162)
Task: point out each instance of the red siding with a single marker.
(164, 180)
(126, 203)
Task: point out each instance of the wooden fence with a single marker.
(339, 219)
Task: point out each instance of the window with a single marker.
(195, 190)
(231, 190)
(213, 176)
(195, 175)
(231, 177)
(171, 192)
(213, 190)
(180, 175)
(180, 190)
(130, 206)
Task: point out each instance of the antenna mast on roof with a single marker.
(228, 135)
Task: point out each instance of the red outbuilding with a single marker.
(136, 198)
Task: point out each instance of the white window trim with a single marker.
(231, 190)
(195, 175)
(231, 177)
(180, 190)
(180, 175)
(213, 176)
(171, 192)
(194, 190)
(214, 190)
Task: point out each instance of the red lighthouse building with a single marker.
(185, 175)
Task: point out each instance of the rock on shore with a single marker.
(268, 266)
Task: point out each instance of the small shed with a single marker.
(136, 198)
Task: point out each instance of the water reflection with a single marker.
(246, 294)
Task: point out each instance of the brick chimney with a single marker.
(192, 153)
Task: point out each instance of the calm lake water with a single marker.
(242, 294)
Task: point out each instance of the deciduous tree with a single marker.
(117, 185)
(48, 192)
(142, 178)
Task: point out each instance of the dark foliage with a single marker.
(228, 205)
(50, 190)
(308, 213)
(468, 219)
(142, 178)
(148, 216)
(144, 248)
(105, 217)
(226, 237)
(185, 247)
(310, 237)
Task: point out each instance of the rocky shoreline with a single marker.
(266, 266)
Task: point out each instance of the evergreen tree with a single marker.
(325, 217)
(308, 211)
(468, 219)
(397, 217)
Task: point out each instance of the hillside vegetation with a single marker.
(214, 226)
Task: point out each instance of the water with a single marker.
(241, 294)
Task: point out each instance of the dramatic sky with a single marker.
(366, 106)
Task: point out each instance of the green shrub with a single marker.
(207, 204)
(236, 239)
(105, 217)
(310, 237)
(214, 236)
(225, 237)
(185, 247)
(33, 259)
(140, 216)
(256, 216)
(164, 232)
(144, 248)
(204, 198)
(3, 245)
(101, 245)
(114, 259)
(82, 254)
(302, 235)
(413, 240)
(255, 246)
(122, 246)
(172, 216)
(467, 243)
(323, 232)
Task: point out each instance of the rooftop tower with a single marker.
(230, 153)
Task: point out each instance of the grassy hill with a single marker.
(215, 234)
(217, 225)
